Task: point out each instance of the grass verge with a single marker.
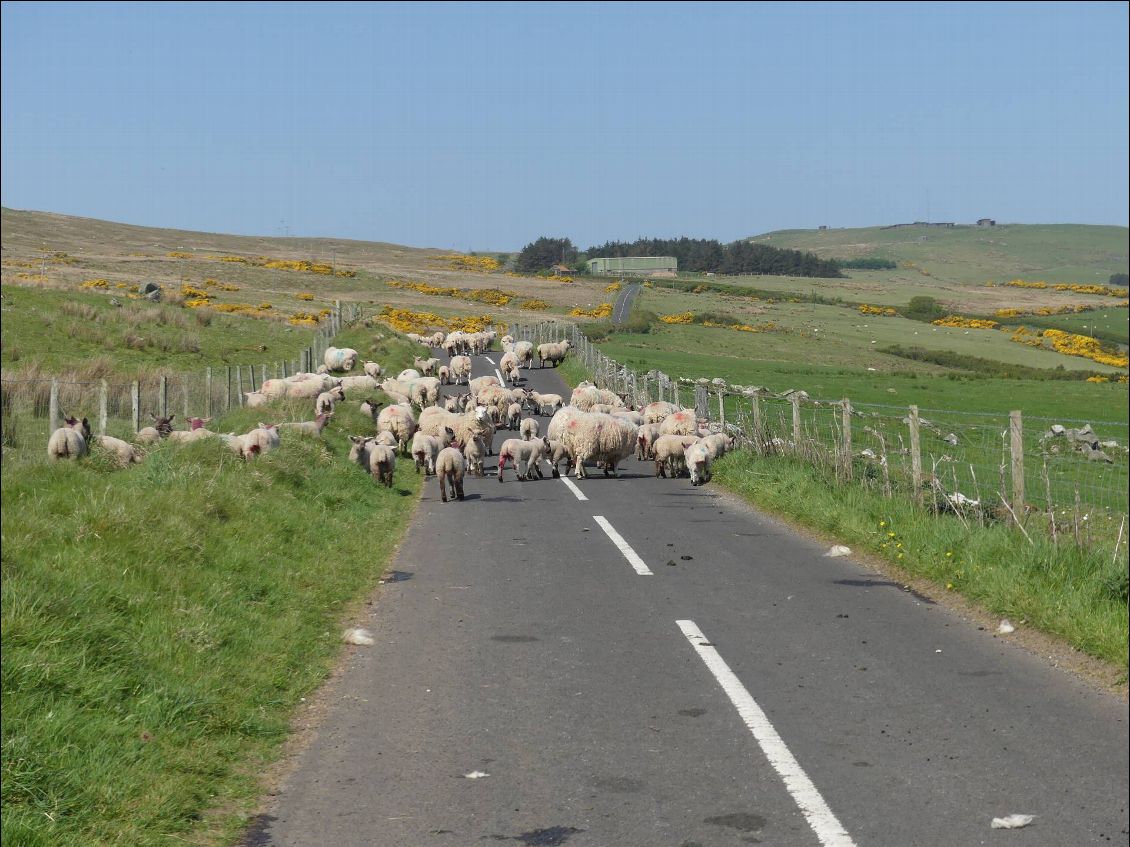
(1077, 595)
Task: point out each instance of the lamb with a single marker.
(697, 458)
(433, 340)
(425, 448)
(524, 350)
(645, 440)
(554, 353)
(450, 468)
(668, 451)
(460, 367)
(340, 359)
(361, 382)
(508, 361)
(529, 429)
(386, 438)
(397, 390)
(464, 427)
(444, 374)
(556, 453)
(312, 428)
(372, 369)
(371, 408)
(513, 416)
(654, 413)
(160, 429)
(256, 442)
(451, 404)
(473, 452)
(195, 432)
(541, 402)
(496, 398)
(377, 459)
(400, 421)
(71, 440)
(328, 399)
(426, 367)
(123, 452)
(601, 439)
(524, 455)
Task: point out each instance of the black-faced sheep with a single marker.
(160, 429)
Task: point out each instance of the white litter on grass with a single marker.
(838, 550)
(361, 637)
(1012, 821)
(1006, 627)
(475, 775)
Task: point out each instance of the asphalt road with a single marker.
(695, 675)
(623, 305)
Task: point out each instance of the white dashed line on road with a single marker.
(489, 359)
(633, 558)
(572, 487)
(827, 828)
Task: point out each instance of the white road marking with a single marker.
(489, 359)
(569, 484)
(827, 828)
(501, 381)
(633, 558)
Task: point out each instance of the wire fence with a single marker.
(1066, 476)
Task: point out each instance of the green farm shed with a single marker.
(646, 265)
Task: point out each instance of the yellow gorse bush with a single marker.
(1076, 287)
(534, 305)
(477, 264)
(678, 318)
(882, 311)
(1086, 347)
(406, 320)
(490, 296)
(965, 323)
(96, 283)
(304, 295)
(604, 310)
(614, 286)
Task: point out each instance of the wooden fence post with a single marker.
(163, 397)
(135, 396)
(1016, 429)
(227, 394)
(53, 408)
(184, 394)
(722, 408)
(208, 392)
(103, 406)
(239, 384)
(795, 401)
(846, 409)
(915, 456)
(755, 410)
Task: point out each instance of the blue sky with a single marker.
(484, 126)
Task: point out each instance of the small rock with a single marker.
(837, 551)
(671, 563)
(686, 558)
(1006, 627)
(475, 775)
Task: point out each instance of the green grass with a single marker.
(161, 623)
(1078, 595)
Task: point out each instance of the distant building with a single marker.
(824, 227)
(642, 265)
(986, 222)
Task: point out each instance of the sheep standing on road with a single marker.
(603, 440)
(425, 448)
(460, 367)
(669, 451)
(513, 416)
(529, 429)
(70, 441)
(524, 455)
(556, 454)
(450, 468)
(524, 350)
(540, 403)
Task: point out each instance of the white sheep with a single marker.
(399, 420)
(312, 428)
(554, 352)
(669, 454)
(377, 459)
(123, 452)
(450, 468)
(408, 374)
(524, 350)
(327, 400)
(682, 422)
(425, 448)
(70, 441)
(529, 429)
(473, 452)
(386, 438)
(586, 395)
(513, 416)
(397, 390)
(424, 391)
(480, 382)
(541, 402)
(697, 457)
(524, 455)
(359, 383)
(195, 432)
(460, 368)
(256, 442)
(426, 367)
(340, 358)
(654, 413)
(556, 453)
(601, 439)
(508, 361)
(444, 374)
(645, 441)
(372, 369)
(464, 427)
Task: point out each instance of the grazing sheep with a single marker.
(71, 440)
(645, 440)
(554, 353)
(697, 458)
(372, 369)
(460, 368)
(359, 383)
(513, 416)
(312, 428)
(654, 413)
(557, 454)
(408, 374)
(257, 441)
(328, 399)
(400, 421)
(425, 448)
(426, 367)
(603, 440)
(377, 459)
(669, 454)
(340, 358)
(529, 429)
(524, 455)
(541, 402)
(160, 429)
(124, 453)
(450, 468)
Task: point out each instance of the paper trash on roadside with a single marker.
(1012, 821)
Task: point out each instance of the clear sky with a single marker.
(484, 126)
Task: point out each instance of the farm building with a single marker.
(646, 265)
(986, 222)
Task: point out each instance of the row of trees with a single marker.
(699, 255)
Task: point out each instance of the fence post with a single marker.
(53, 407)
(103, 406)
(251, 377)
(846, 408)
(263, 375)
(135, 396)
(722, 408)
(795, 401)
(915, 456)
(755, 410)
(239, 384)
(163, 397)
(1016, 428)
(184, 391)
(227, 394)
(208, 392)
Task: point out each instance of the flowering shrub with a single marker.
(491, 296)
(534, 305)
(604, 310)
(1078, 288)
(882, 311)
(965, 323)
(477, 264)
(176, 254)
(304, 295)
(678, 318)
(34, 277)
(614, 286)
(405, 320)
(1085, 346)
(96, 283)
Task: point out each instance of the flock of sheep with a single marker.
(449, 436)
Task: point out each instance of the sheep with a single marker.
(71, 440)
(680, 423)
(160, 429)
(601, 439)
(496, 398)
(524, 455)
(718, 444)
(480, 382)
(541, 402)
(654, 413)
(408, 374)
(645, 440)
(340, 359)
(378, 459)
(361, 382)
(400, 421)
(556, 453)
(529, 429)
(473, 452)
(328, 399)
(554, 353)
(451, 404)
(586, 395)
(312, 428)
(123, 452)
(524, 350)
(433, 340)
(556, 429)
(371, 408)
(424, 391)
(697, 457)
(507, 341)
(372, 369)
(450, 467)
(256, 399)
(473, 422)
(386, 438)
(426, 367)
(520, 395)
(508, 361)
(425, 448)
(513, 416)
(668, 451)
(195, 432)
(397, 390)
(460, 367)
(444, 374)
(635, 418)
(257, 441)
